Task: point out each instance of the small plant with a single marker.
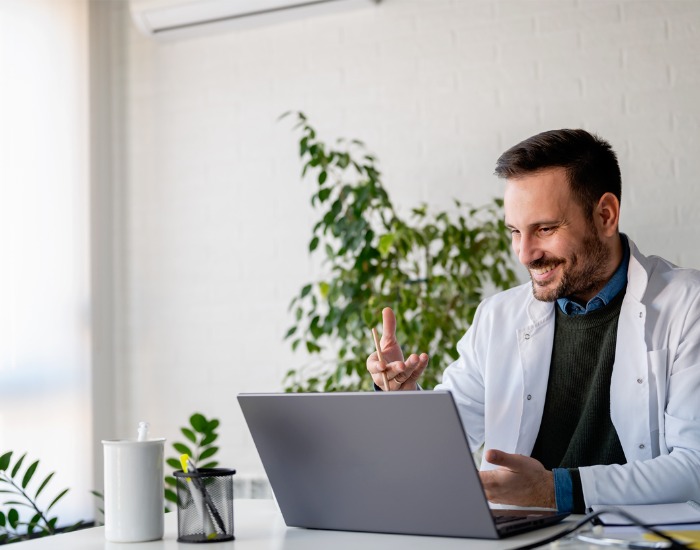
(202, 434)
(21, 493)
(432, 268)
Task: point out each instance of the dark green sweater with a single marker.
(576, 428)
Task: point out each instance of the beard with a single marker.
(582, 273)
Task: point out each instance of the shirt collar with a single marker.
(613, 287)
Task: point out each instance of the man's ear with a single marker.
(607, 214)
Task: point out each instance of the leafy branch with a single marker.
(433, 268)
(19, 496)
(201, 433)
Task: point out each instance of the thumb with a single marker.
(502, 459)
(388, 328)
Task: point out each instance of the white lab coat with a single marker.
(499, 382)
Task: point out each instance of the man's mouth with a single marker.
(543, 270)
(543, 274)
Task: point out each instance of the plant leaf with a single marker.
(182, 449)
(13, 517)
(18, 465)
(170, 496)
(199, 423)
(43, 484)
(29, 473)
(207, 453)
(54, 501)
(385, 243)
(209, 439)
(18, 503)
(213, 424)
(5, 461)
(189, 434)
(33, 523)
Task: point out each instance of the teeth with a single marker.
(543, 270)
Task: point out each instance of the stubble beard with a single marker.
(583, 273)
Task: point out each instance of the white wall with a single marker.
(216, 222)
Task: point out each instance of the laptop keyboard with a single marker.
(505, 519)
(502, 519)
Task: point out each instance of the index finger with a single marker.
(388, 327)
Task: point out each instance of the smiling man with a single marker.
(583, 385)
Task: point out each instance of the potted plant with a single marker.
(432, 268)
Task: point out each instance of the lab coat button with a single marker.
(641, 445)
(527, 336)
(639, 380)
(529, 397)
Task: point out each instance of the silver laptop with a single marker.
(379, 462)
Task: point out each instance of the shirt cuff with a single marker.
(563, 490)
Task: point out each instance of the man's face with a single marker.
(553, 238)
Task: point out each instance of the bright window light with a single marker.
(44, 247)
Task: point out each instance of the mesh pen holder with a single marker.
(205, 505)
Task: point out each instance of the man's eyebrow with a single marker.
(537, 224)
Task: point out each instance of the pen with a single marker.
(208, 502)
(385, 380)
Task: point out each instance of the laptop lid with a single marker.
(394, 462)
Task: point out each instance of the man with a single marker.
(583, 386)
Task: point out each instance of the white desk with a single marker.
(258, 524)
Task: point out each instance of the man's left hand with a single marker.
(520, 480)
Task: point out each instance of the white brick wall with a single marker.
(218, 221)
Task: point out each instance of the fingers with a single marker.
(375, 366)
(407, 378)
(401, 375)
(494, 456)
(388, 328)
(512, 462)
(412, 382)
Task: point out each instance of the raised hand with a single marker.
(401, 375)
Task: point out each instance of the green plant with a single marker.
(432, 268)
(202, 434)
(16, 486)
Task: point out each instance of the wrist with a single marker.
(549, 495)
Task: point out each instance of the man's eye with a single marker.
(546, 230)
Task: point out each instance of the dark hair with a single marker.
(590, 163)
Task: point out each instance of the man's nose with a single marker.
(528, 250)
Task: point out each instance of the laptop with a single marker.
(381, 462)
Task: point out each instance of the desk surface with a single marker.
(258, 524)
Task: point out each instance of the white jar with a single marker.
(133, 479)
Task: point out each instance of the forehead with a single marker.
(541, 196)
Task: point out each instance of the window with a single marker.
(45, 406)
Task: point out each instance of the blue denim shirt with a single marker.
(563, 486)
